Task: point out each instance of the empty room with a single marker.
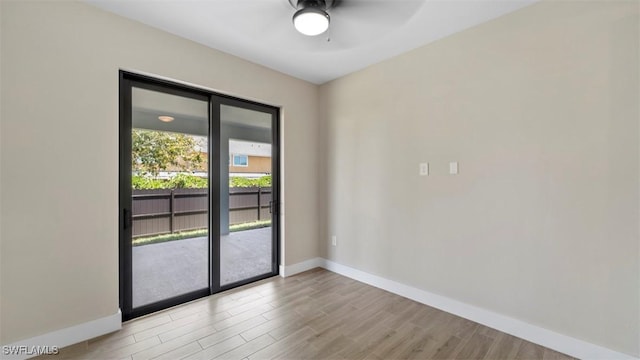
(320, 179)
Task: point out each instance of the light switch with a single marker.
(453, 168)
(424, 169)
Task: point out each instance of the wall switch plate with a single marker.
(424, 169)
(453, 168)
(334, 240)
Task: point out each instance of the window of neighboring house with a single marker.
(240, 160)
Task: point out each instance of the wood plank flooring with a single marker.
(314, 315)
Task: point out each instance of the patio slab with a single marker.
(173, 268)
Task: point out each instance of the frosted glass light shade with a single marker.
(311, 21)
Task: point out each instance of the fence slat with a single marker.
(165, 211)
(172, 207)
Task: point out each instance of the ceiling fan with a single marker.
(312, 17)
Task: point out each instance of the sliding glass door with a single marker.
(248, 173)
(198, 190)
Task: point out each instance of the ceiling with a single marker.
(362, 32)
(249, 148)
(191, 116)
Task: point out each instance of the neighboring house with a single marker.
(249, 158)
(249, 164)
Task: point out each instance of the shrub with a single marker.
(143, 182)
(236, 181)
(180, 181)
(188, 181)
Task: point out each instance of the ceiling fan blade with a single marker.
(380, 11)
(355, 22)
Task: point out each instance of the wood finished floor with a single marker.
(314, 315)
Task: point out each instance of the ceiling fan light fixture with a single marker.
(165, 118)
(311, 21)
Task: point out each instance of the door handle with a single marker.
(272, 207)
(126, 218)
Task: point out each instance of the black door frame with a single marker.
(217, 100)
(128, 80)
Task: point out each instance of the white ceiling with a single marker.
(362, 32)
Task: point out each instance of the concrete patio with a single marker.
(173, 268)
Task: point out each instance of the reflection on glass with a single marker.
(170, 196)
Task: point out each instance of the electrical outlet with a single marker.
(334, 240)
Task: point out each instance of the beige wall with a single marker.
(540, 109)
(60, 63)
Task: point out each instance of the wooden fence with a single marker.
(166, 211)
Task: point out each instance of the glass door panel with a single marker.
(247, 196)
(169, 196)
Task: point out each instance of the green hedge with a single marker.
(264, 181)
(187, 181)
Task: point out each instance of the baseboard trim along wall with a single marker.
(64, 337)
(301, 267)
(535, 334)
(541, 336)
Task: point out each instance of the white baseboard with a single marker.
(535, 334)
(64, 337)
(541, 336)
(290, 270)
